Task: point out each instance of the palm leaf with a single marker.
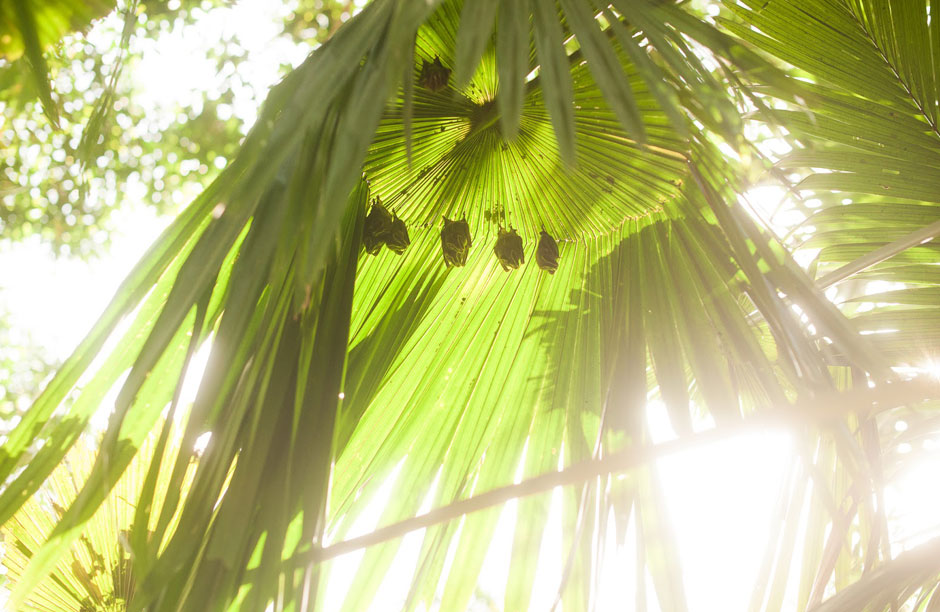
(558, 329)
(864, 111)
(330, 365)
(900, 580)
(98, 570)
(871, 125)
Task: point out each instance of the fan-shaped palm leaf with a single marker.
(97, 574)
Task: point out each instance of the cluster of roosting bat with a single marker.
(385, 228)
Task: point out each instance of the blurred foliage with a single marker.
(161, 156)
(44, 187)
(53, 19)
(314, 21)
(23, 364)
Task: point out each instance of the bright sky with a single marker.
(721, 498)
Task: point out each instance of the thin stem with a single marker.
(822, 410)
(924, 234)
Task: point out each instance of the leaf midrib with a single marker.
(934, 128)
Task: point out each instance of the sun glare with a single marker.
(913, 503)
(721, 499)
(178, 68)
(933, 368)
(59, 299)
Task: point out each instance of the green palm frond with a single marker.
(863, 113)
(871, 117)
(902, 321)
(872, 150)
(97, 574)
(332, 370)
